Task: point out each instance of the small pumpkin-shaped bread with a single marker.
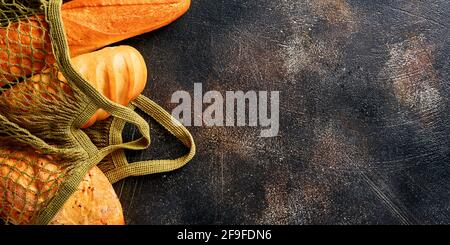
(118, 73)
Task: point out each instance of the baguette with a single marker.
(24, 173)
(25, 47)
(93, 24)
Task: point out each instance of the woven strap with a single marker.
(60, 49)
(121, 115)
(123, 169)
(61, 52)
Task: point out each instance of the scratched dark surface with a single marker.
(364, 112)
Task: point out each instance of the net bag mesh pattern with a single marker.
(37, 104)
(44, 102)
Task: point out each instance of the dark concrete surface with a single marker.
(364, 112)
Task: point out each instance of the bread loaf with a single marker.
(94, 203)
(25, 47)
(119, 73)
(28, 179)
(92, 24)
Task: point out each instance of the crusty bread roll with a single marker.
(27, 180)
(94, 203)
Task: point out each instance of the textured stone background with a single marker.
(364, 113)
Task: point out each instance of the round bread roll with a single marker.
(94, 203)
(28, 180)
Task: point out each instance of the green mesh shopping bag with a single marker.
(44, 153)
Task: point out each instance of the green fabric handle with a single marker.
(121, 114)
(60, 49)
(123, 169)
(61, 52)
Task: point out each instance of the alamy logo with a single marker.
(230, 111)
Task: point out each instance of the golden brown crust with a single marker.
(89, 25)
(94, 203)
(28, 180)
(115, 20)
(25, 183)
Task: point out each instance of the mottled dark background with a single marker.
(364, 114)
